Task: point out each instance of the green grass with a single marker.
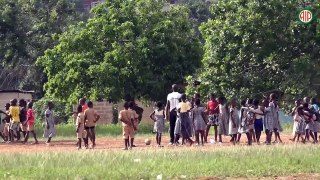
(189, 163)
(68, 130)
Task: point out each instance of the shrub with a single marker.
(115, 114)
(60, 115)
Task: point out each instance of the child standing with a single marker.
(233, 121)
(81, 132)
(183, 109)
(159, 124)
(275, 114)
(199, 121)
(315, 111)
(300, 124)
(50, 130)
(251, 119)
(14, 113)
(295, 123)
(244, 123)
(30, 124)
(177, 130)
(7, 119)
(309, 117)
(223, 118)
(268, 122)
(135, 117)
(126, 117)
(23, 117)
(258, 122)
(213, 113)
(91, 117)
(2, 125)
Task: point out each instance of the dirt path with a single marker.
(292, 177)
(111, 144)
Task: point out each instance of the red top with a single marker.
(30, 117)
(84, 107)
(213, 107)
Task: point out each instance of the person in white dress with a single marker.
(159, 123)
(233, 121)
(300, 123)
(244, 123)
(223, 118)
(199, 121)
(295, 123)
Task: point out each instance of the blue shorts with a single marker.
(258, 125)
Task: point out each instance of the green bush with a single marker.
(115, 114)
(60, 108)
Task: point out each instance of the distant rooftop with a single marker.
(14, 91)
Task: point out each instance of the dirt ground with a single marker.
(293, 177)
(117, 143)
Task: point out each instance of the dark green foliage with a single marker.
(136, 47)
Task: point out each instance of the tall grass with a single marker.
(189, 163)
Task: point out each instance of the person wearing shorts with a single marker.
(126, 117)
(258, 122)
(14, 113)
(91, 117)
(81, 132)
(213, 113)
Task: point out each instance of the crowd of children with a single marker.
(252, 118)
(193, 120)
(18, 118)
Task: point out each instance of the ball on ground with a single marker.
(147, 141)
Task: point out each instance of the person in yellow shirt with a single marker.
(183, 110)
(14, 113)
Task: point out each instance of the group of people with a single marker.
(188, 120)
(18, 119)
(191, 119)
(86, 118)
(306, 120)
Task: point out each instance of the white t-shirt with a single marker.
(258, 116)
(173, 99)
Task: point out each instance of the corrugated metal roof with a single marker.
(14, 91)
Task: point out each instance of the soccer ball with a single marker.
(147, 141)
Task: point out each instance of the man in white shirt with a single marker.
(171, 110)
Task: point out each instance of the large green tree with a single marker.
(254, 46)
(129, 47)
(26, 31)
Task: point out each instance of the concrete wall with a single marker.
(5, 97)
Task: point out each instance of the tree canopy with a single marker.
(129, 47)
(26, 31)
(254, 46)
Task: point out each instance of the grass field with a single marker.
(108, 161)
(180, 163)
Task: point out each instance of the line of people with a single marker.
(190, 119)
